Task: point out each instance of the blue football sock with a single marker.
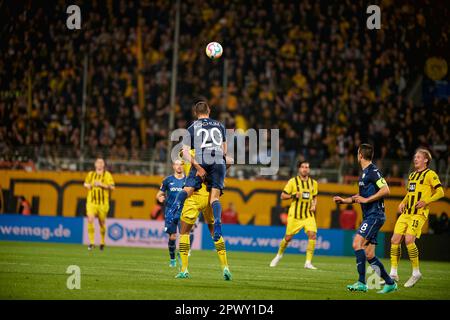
(172, 247)
(361, 264)
(217, 212)
(380, 270)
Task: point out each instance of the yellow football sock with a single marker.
(102, 233)
(221, 252)
(413, 253)
(184, 245)
(396, 252)
(91, 233)
(283, 246)
(310, 249)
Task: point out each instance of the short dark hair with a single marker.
(200, 108)
(101, 158)
(300, 162)
(366, 151)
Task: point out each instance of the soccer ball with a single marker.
(214, 50)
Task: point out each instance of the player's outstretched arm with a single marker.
(382, 193)
(340, 200)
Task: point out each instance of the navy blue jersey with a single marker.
(207, 136)
(370, 182)
(171, 186)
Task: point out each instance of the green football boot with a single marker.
(389, 288)
(183, 275)
(173, 263)
(226, 274)
(358, 286)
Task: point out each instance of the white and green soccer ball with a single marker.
(214, 50)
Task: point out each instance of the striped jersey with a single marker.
(97, 195)
(300, 207)
(421, 186)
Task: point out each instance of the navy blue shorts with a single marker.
(215, 176)
(369, 229)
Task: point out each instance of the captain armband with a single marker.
(381, 183)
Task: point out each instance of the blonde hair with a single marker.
(426, 154)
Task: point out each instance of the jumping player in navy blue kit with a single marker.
(208, 138)
(170, 188)
(372, 189)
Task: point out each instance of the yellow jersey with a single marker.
(421, 186)
(97, 195)
(300, 207)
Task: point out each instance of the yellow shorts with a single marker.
(295, 225)
(97, 210)
(192, 208)
(410, 224)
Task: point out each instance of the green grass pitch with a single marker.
(38, 271)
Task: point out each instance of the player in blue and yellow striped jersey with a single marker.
(303, 192)
(423, 188)
(99, 183)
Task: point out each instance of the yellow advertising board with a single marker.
(62, 193)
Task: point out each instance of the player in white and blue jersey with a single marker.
(372, 189)
(167, 194)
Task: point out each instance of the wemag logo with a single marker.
(40, 228)
(135, 232)
(115, 232)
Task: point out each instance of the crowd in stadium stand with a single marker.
(311, 69)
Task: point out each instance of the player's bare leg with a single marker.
(413, 253)
(310, 250)
(102, 224)
(91, 230)
(283, 245)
